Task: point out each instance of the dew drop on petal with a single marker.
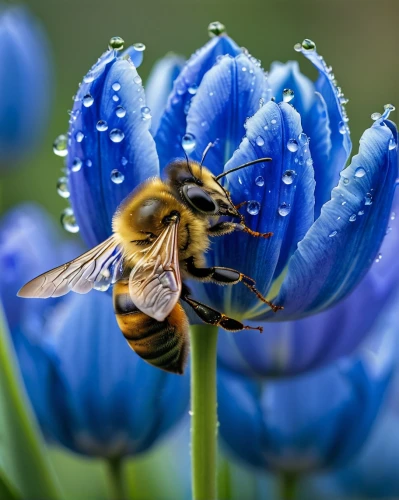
(62, 187)
(253, 207)
(124, 161)
(393, 216)
(302, 138)
(273, 122)
(288, 176)
(79, 136)
(308, 45)
(140, 47)
(116, 43)
(76, 165)
(392, 144)
(352, 218)
(288, 95)
(116, 135)
(259, 141)
(188, 142)
(192, 89)
(260, 181)
(120, 112)
(360, 212)
(345, 180)
(88, 100)
(368, 199)
(145, 113)
(216, 29)
(284, 209)
(89, 77)
(376, 116)
(342, 128)
(309, 162)
(137, 80)
(68, 221)
(332, 234)
(388, 108)
(116, 86)
(292, 145)
(60, 145)
(117, 177)
(360, 172)
(89, 163)
(379, 257)
(115, 98)
(102, 126)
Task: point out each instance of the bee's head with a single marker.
(199, 189)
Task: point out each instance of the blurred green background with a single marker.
(359, 38)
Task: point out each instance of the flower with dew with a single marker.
(89, 393)
(25, 83)
(222, 94)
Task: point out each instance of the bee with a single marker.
(161, 232)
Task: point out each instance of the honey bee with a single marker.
(161, 232)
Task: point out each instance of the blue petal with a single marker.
(173, 123)
(25, 83)
(122, 409)
(291, 425)
(316, 124)
(94, 196)
(135, 55)
(342, 244)
(228, 95)
(160, 84)
(268, 133)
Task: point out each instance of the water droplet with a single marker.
(309, 162)
(343, 203)
(360, 212)
(284, 209)
(216, 29)
(273, 122)
(288, 95)
(145, 113)
(376, 116)
(76, 165)
(89, 77)
(116, 135)
(116, 86)
(388, 108)
(253, 207)
(68, 221)
(120, 112)
(292, 145)
(308, 45)
(345, 180)
(260, 141)
(352, 218)
(331, 235)
(204, 123)
(115, 98)
(140, 47)
(360, 172)
(342, 128)
(244, 68)
(260, 181)
(89, 163)
(192, 89)
(393, 216)
(379, 257)
(124, 161)
(302, 138)
(368, 199)
(102, 126)
(88, 100)
(117, 177)
(116, 43)
(79, 136)
(60, 145)
(188, 143)
(62, 187)
(392, 144)
(288, 176)
(137, 80)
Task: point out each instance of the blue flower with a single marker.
(223, 96)
(308, 422)
(90, 392)
(25, 83)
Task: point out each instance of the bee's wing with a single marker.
(155, 282)
(98, 267)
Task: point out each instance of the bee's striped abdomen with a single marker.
(163, 344)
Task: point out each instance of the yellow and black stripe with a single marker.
(163, 344)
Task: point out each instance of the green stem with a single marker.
(203, 411)
(288, 485)
(117, 483)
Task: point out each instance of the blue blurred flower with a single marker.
(308, 422)
(90, 392)
(25, 83)
(308, 264)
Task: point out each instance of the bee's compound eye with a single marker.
(199, 199)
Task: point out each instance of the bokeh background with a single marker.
(359, 38)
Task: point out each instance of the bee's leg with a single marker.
(247, 229)
(222, 228)
(225, 276)
(213, 317)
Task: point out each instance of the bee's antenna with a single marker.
(210, 145)
(253, 162)
(188, 163)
